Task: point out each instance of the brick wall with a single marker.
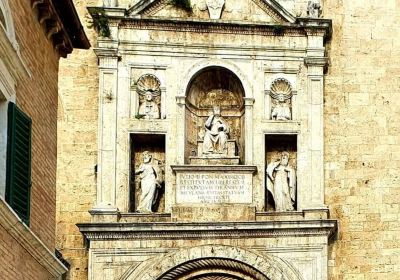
(37, 97)
(77, 148)
(11, 266)
(362, 137)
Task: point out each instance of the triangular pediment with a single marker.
(268, 11)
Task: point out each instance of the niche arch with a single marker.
(193, 70)
(209, 87)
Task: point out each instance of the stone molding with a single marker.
(166, 266)
(219, 168)
(110, 231)
(12, 59)
(209, 26)
(271, 7)
(29, 241)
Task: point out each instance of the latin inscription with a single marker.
(214, 188)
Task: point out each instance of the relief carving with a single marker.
(281, 95)
(314, 9)
(149, 92)
(215, 8)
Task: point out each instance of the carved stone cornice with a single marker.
(316, 61)
(208, 230)
(210, 26)
(62, 36)
(275, 10)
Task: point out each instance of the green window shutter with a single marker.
(18, 181)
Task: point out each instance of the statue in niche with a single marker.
(148, 89)
(149, 108)
(281, 94)
(313, 9)
(281, 183)
(281, 111)
(216, 133)
(151, 179)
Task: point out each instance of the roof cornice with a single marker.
(61, 25)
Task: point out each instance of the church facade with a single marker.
(211, 150)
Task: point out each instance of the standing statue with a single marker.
(281, 182)
(281, 111)
(314, 9)
(149, 108)
(216, 134)
(151, 180)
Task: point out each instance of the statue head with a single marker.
(281, 98)
(217, 111)
(285, 158)
(149, 96)
(147, 157)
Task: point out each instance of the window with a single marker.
(18, 174)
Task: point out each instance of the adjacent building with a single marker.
(34, 35)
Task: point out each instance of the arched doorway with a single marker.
(214, 86)
(211, 262)
(213, 269)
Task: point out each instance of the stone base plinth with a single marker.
(214, 160)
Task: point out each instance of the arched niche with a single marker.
(211, 86)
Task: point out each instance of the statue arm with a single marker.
(209, 121)
(140, 169)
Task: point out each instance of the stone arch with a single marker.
(199, 66)
(182, 153)
(226, 262)
(7, 20)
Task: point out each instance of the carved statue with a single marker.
(149, 108)
(151, 179)
(281, 111)
(215, 8)
(149, 91)
(109, 3)
(216, 133)
(281, 94)
(314, 9)
(281, 182)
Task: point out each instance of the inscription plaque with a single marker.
(214, 188)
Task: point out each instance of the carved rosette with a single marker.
(215, 8)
